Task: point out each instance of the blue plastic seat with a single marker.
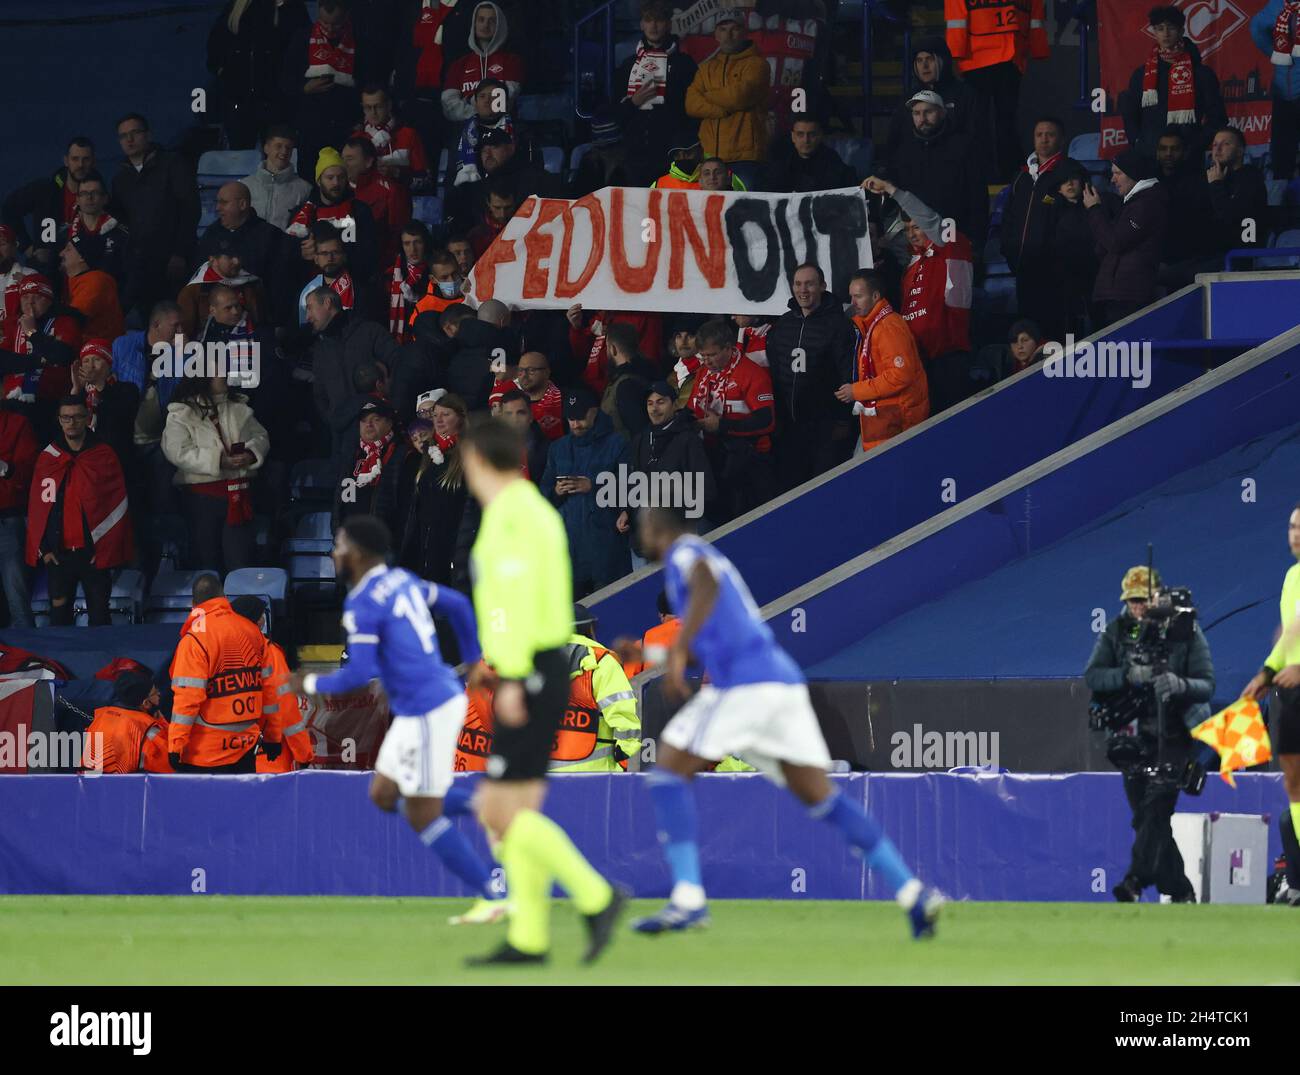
(125, 601)
(313, 534)
(553, 159)
(312, 480)
(427, 208)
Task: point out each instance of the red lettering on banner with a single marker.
(633, 281)
(711, 257)
(501, 252)
(537, 245)
(564, 288)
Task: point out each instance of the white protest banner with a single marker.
(668, 251)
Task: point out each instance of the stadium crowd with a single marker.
(369, 357)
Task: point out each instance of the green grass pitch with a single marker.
(145, 940)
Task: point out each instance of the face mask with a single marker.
(448, 289)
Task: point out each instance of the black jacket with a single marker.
(1143, 126)
(1190, 235)
(945, 173)
(625, 395)
(266, 252)
(964, 110)
(1108, 666)
(428, 544)
(37, 201)
(385, 497)
(248, 65)
(467, 370)
(525, 175)
(1241, 196)
(787, 172)
(649, 133)
(160, 206)
(1028, 218)
(826, 338)
(674, 448)
(115, 420)
(1129, 238)
(1073, 263)
(336, 353)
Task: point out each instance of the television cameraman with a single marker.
(1151, 672)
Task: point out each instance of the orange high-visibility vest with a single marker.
(126, 741)
(574, 741)
(655, 644)
(432, 301)
(221, 684)
(981, 33)
(286, 715)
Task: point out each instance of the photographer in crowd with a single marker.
(1152, 677)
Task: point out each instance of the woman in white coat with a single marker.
(216, 446)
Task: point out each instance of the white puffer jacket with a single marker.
(192, 445)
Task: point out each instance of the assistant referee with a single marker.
(523, 598)
(1281, 672)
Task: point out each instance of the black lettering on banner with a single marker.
(792, 258)
(844, 218)
(757, 282)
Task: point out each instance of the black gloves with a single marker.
(272, 750)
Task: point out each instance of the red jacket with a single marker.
(464, 74)
(936, 297)
(390, 205)
(93, 490)
(736, 393)
(586, 344)
(18, 451)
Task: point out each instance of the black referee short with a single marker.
(524, 753)
(1286, 725)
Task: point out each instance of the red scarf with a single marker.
(234, 491)
(340, 215)
(342, 287)
(94, 499)
(371, 463)
(406, 283)
(428, 42)
(1286, 34)
(92, 398)
(1182, 84)
(336, 58)
(445, 444)
(866, 364)
(80, 227)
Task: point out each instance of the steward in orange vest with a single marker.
(129, 736)
(283, 712)
(221, 684)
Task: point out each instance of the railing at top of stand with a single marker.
(871, 9)
(606, 13)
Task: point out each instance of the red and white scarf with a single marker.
(637, 76)
(1182, 83)
(1286, 34)
(92, 398)
(78, 226)
(753, 342)
(207, 274)
(866, 365)
(336, 58)
(406, 284)
(371, 463)
(339, 214)
(342, 287)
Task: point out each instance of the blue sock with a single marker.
(860, 830)
(456, 854)
(675, 813)
(457, 800)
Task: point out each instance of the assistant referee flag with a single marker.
(523, 581)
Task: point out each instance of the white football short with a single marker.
(419, 753)
(761, 723)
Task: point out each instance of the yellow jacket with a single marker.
(597, 677)
(729, 96)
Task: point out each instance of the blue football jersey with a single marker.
(735, 646)
(391, 637)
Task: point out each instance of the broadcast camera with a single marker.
(1170, 618)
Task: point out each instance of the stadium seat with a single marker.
(575, 159)
(427, 208)
(312, 481)
(544, 108)
(1287, 240)
(170, 599)
(271, 584)
(312, 534)
(1086, 147)
(125, 602)
(228, 164)
(442, 168)
(1276, 191)
(553, 159)
(312, 578)
(854, 152)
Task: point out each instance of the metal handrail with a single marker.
(606, 12)
(869, 10)
(1082, 16)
